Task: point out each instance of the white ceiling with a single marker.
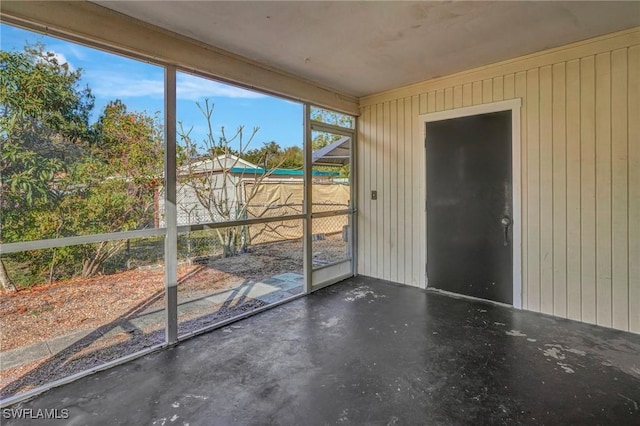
(362, 48)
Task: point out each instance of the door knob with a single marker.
(505, 221)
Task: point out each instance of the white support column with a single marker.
(353, 217)
(308, 207)
(171, 216)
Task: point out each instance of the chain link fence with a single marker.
(266, 200)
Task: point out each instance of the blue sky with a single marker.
(140, 86)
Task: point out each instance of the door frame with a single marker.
(513, 105)
(320, 277)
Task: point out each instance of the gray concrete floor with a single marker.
(367, 351)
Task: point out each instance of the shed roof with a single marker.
(337, 153)
(219, 163)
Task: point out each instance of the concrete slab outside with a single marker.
(269, 291)
(18, 356)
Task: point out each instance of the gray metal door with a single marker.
(469, 206)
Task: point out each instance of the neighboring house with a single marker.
(215, 190)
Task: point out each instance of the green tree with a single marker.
(43, 122)
(271, 155)
(114, 186)
(61, 176)
(332, 117)
(292, 158)
(322, 139)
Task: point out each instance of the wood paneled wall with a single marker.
(580, 141)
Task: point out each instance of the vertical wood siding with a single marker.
(580, 168)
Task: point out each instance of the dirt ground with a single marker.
(106, 304)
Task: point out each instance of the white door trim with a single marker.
(514, 106)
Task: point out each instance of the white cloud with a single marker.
(63, 60)
(111, 85)
(60, 58)
(70, 50)
(194, 88)
(188, 87)
(76, 52)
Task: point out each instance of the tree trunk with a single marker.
(5, 280)
(90, 267)
(52, 266)
(229, 243)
